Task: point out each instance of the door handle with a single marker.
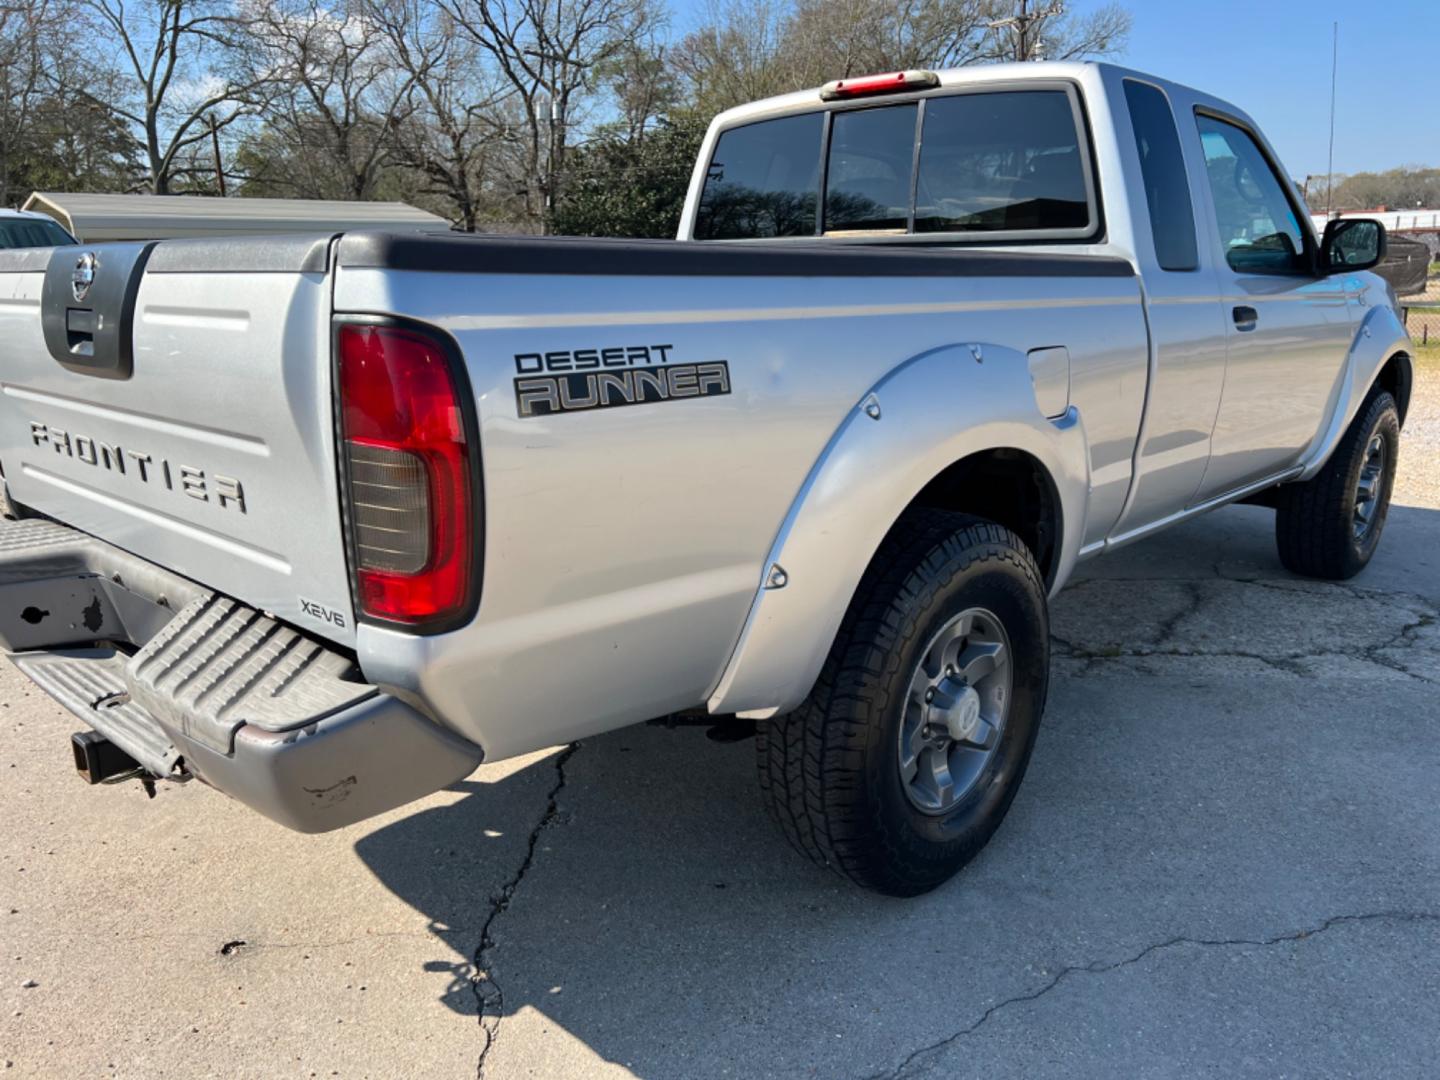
(1245, 317)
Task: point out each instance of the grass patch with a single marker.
(1428, 356)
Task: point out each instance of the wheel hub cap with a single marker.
(955, 710)
(1367, 488)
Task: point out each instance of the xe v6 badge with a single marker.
(83, 276)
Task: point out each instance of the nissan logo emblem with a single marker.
(83, 276)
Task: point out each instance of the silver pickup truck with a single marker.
(326, 521)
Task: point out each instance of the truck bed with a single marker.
(629, 540)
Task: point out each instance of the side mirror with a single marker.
(1351, 244)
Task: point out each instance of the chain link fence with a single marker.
(1422, 314)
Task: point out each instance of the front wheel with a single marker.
(1329, 526)
(904, 759)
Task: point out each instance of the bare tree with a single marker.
(53, 132)
(448, 137)
(1044, 30)
(25, 32)
(546, 51)
(836, 39)
(337, 92)
(180, 59)
(735, 56)
(750, 49)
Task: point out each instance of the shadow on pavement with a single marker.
(664, 924)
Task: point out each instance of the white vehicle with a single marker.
(325, 522)
(26, 229)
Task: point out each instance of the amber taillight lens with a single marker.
(408, 475)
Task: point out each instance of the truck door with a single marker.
(1187, 336)
(1287, 331)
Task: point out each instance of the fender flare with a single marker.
(923, 416)
(1379, 338)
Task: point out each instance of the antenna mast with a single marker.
(1330, 161)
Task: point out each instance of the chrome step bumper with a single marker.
(192, 683)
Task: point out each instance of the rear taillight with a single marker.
(894, 82)
(409, 475)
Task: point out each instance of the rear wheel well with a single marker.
(1396, 376)
(1006, 486)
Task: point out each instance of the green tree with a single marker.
(1408, 187)
(616, 186)
(75, 145)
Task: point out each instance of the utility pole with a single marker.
(215, 146)
(1028, 46)
(557, 89)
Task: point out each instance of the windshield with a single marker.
(32, 232)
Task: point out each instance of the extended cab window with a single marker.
(1162, 168)
(763, 180)
(1259, 231)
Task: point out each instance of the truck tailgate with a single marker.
(208, 448)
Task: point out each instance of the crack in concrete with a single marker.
(1170, 626)
(489, 998)
(1289, 663)
(1098, 968)
(1404, 639)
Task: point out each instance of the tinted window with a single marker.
(1162, 167)
(31, 232)
(763, 180)
(1001, 161)
(1259, 231)
(867, 183)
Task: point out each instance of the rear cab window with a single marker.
(868, 170)
(986, 164)
(763, 181)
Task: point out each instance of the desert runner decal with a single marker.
(583, 379)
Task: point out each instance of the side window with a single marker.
(763, 181)
(1162, 168)
(867, 180)
(1002, 161)
(1259, 231)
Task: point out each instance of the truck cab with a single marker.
(1249, 341)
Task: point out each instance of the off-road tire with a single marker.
(829, 770)
(1314, 520)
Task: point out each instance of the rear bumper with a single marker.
(192, 684)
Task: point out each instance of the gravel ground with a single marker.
(1225, 861)
(1418, 479)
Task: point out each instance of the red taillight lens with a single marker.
(408, 470)
(894, 82)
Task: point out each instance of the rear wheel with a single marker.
(1329, 526)
(903, 761)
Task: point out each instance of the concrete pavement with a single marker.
(1225, 860)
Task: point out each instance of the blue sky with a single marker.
(1272, 58)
